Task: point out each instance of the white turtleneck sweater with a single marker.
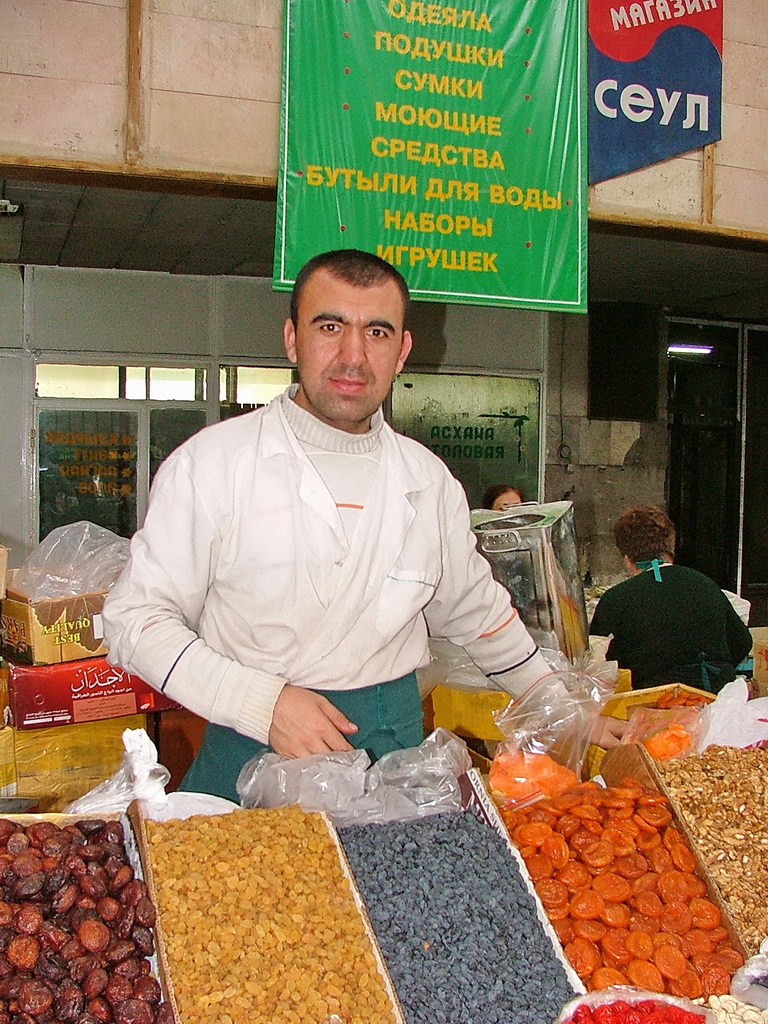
(279, 550)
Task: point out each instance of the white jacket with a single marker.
(241, 579)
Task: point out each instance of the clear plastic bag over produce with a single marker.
(80, 558)
(669, 1009)
(666, 732)
(139, 777)
(547, 733)
(733, 720)
(750, 982)
(403, 784)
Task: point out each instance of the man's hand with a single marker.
(608, 731)
(305, 723)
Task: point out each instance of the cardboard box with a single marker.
(760, 660)
(73, 692)
(468, 714)
(623, 704)
(50, 631)
(60, 764)
(3, 569)
(633, 760)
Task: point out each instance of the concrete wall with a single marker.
(602, 466)
(190, 88)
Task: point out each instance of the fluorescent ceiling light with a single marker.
(689, 350)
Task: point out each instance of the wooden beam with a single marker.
(135, 107)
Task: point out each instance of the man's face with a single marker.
(348, 345)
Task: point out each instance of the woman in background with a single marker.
(501, 496)
(668, 623)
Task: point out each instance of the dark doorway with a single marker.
(705, 446)
(754, 564)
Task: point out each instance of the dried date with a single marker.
(147, 989)
(100, 1010)
(94, 935)
(134, 1011)
(109, 909)
(118, 990)
(95, 982)
(22, 952)
(26, 888)
(28, 919)
(122, 877)
(69, 1002)
(17, 843)
(34, 997)
(142, 936)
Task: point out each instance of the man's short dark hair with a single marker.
(645, 532)
(356, 267)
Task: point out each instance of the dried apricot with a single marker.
(655, 814)
(532, 833)
(586, 903)
(715, 981)
(642, 923)
(670, 961)
(556, 848)
(705, 913)
(673, 886)
(589, 928)
(612, 887)
(648, 904)
(583, 956)
(614, 947)
(539, 866)
(676, 918)
(631, 866)
(617, 915)
(661, 860)
(682, 857)
(640, 945)
(697, 941)
(606, 977)
(574, 876)
(645, 975)
(552, 893)
(599, 855)
(688, 986)
(564, 930)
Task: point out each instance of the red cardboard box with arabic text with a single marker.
(38, 696)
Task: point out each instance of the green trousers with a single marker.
(388, 717)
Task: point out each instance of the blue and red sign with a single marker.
(655, 81)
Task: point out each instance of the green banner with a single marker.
(450, 141)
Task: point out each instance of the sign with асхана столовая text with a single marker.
(448, 140)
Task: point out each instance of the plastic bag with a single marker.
(139, 777)
(666, 733)
(401, 785)
(547, 733)
(450, 665)
(733, 720)
(632, 997)
(750, 982)
(76, 559)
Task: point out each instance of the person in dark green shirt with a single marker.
(668, 623)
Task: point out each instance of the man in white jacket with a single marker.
(294, 560)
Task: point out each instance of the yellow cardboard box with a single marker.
(760, 660)
(3, 569)
(468, 714)
(59, 764)
(49, 631)
(622, 705)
